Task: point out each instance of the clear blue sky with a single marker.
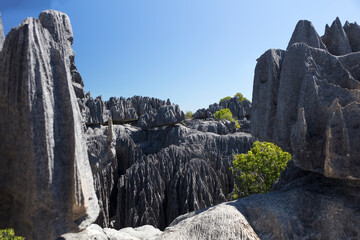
(191, 51)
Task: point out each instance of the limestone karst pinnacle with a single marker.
(306, 33)
(336, 39)
(46, 182)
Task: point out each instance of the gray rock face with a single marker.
(239, 110)
(336, 39)
(46, 185)
(352, 31)
(305, 100)
(164, 116)
(211, 125)
(265, 93)
(2, 37)
(125, 110)
(203, 113)
(121, 110)
(311, 206)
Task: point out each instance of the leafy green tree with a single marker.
(240, 97)
(9, 234)
(225, 98)
(256, 171)
(188, 115)
(225, 114)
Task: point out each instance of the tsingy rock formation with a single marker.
(46, 185)
(151, 176)
(310, 99)
(306, 100)
(145, 111)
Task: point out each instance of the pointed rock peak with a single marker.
(337, 21)
(336, 39)
(352, 31)
(326, 27)
(2, 37)
(58, 24)
(306, 33)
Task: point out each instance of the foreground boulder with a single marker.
(46, 185)
(223, 221)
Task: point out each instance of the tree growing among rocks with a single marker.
(257, 170)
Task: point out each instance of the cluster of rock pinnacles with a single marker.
(69, 162)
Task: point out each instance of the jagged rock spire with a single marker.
(353, 33)
(306, 33)
(336, 39)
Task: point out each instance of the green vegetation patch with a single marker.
(9, 234)
(225, 98)
(225, 114)
(237, 95)
(257, 170)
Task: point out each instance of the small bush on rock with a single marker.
(188, 115)
(240, 97)
(225, 98)
(225, 114)
(257, 170)
(9, 234)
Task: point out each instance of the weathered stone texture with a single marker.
(305, 100)
(45, 178)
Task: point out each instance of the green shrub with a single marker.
(256, 171)
(225, 98)
(240, 97)
(188, 115)
(225, 114)
(9, 234)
